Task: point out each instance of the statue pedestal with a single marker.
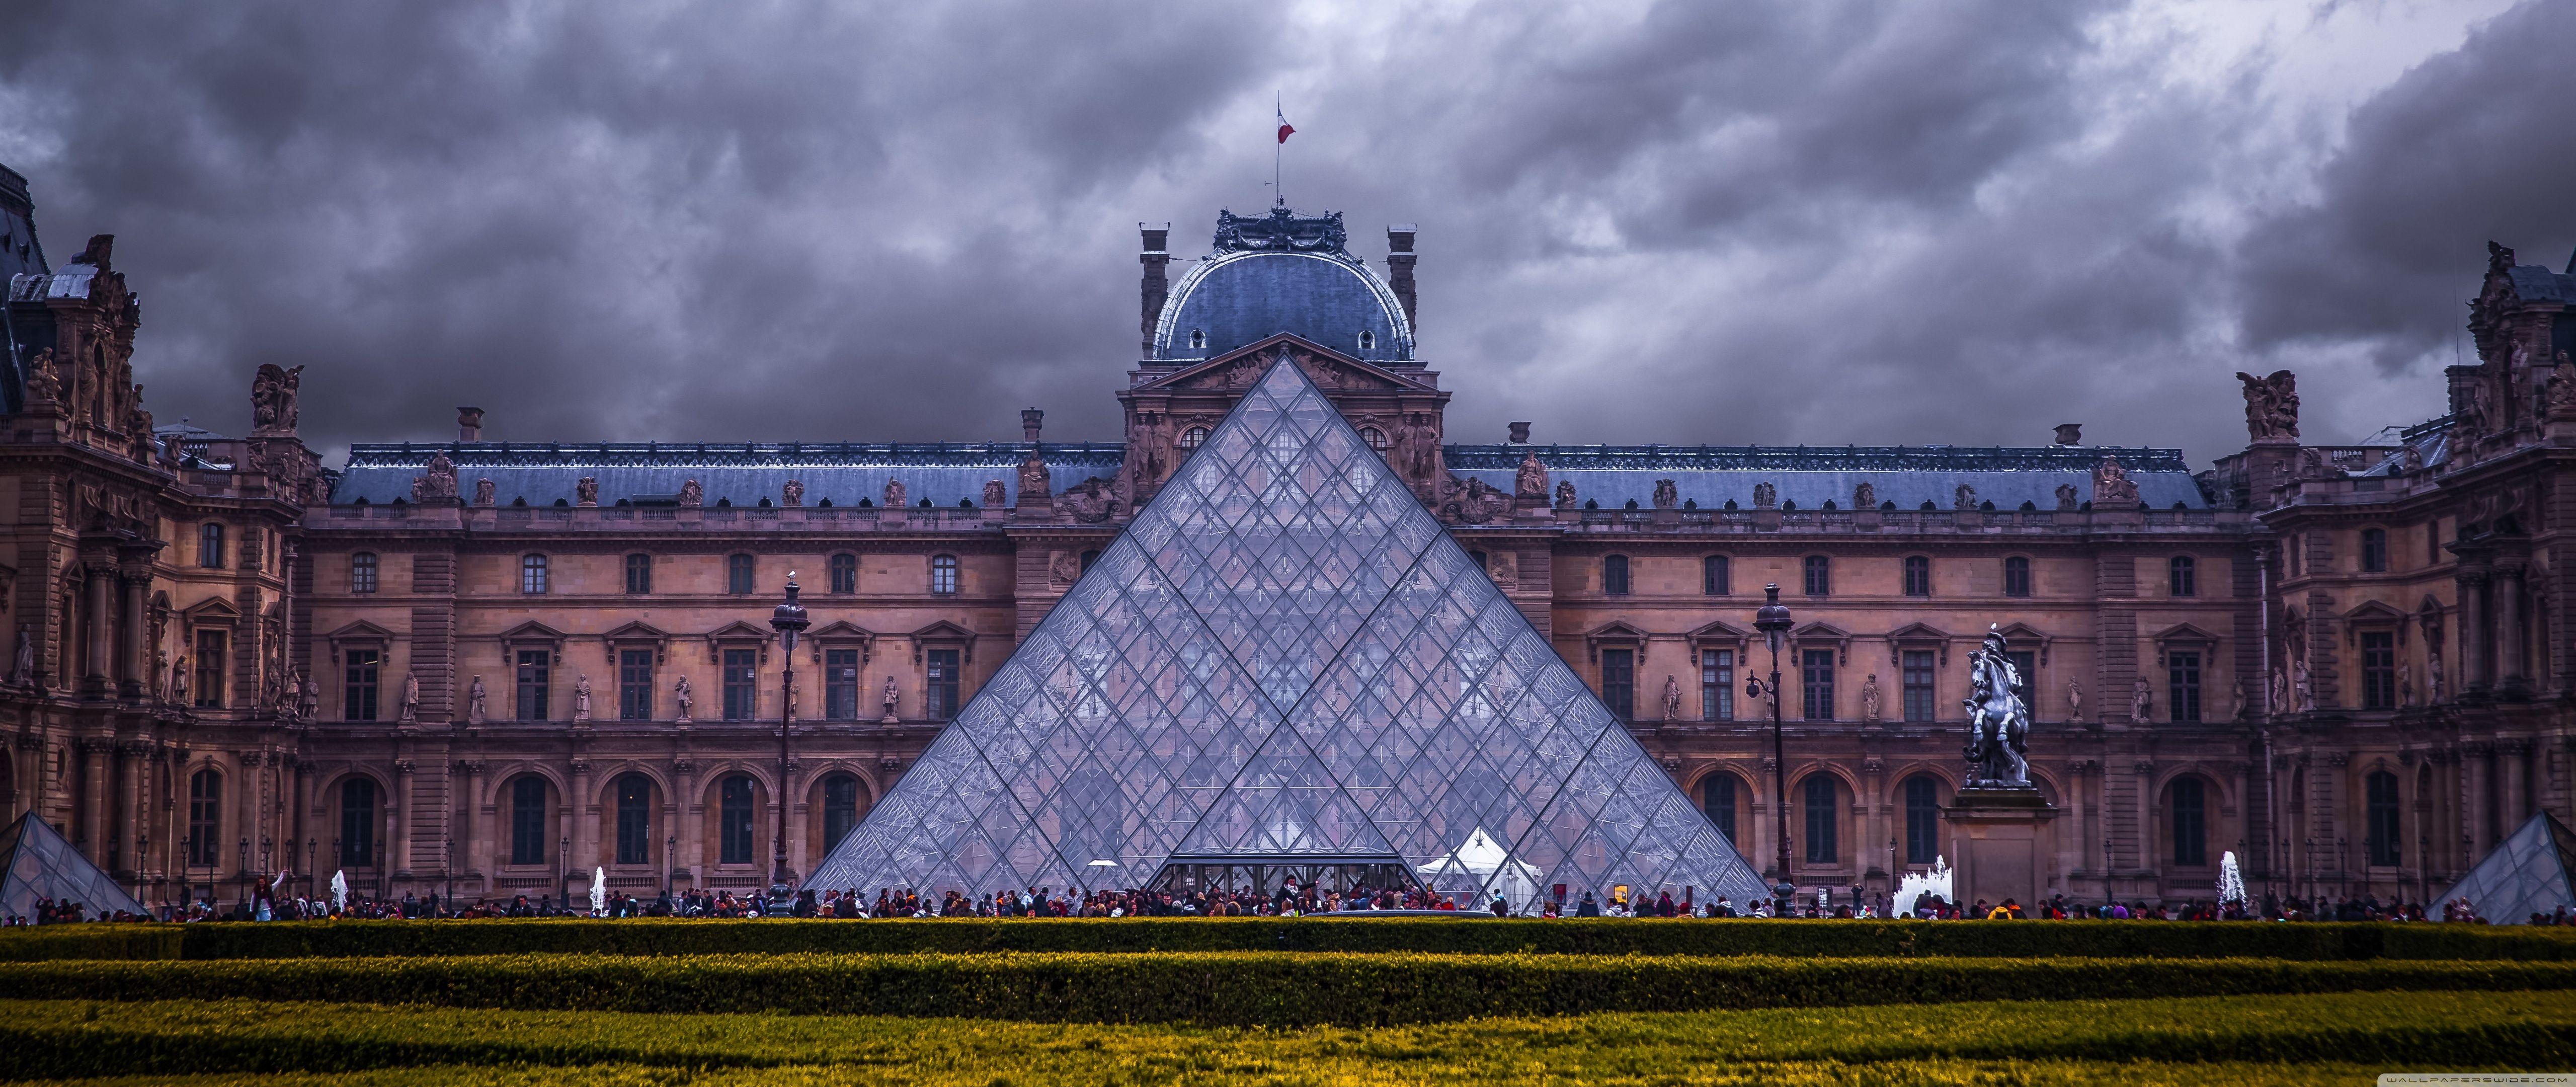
(1997, 846)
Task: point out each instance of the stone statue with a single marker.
(1473, 501)
(894, 494)
(1869, 696)
(2432, 675)
(2237, 705)
(2280, 693)
(438, 482)
(2074, 700)
(2271, 405)
(2561, 395)
(477, 708)
(482, 492)
(179, 680)
(410, 698)
(2066, 497)
(680, 695)
(792, 493)
(1667, 495)
(581, 698)
(2469, 419)
(1063, 569)
(1963, 497)
(692, 493)
(23, 671)
(892, 696)
(1505, 568)
(2112, 486)
(2141, 700)
(995, 495)
(308, 698)
(1864, 496)
(1998, 721)
(2410, 459)
(1565, 494)
(2301, 688)
(44, 379)
(1766, 496)
(272, 399)
(1530, 481)
(2406, 684)
(1091, 501)
(1672, 699)
(585, 491)
(1037, 485)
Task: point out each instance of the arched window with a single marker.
(1375, 438)
(845, 573)
(733, 820)
(1822, 848)
(943, 573)
(2380, 790)
(738, 573)
(2190, 822)
(2016, 576)
(1922, 819)
(1717, 798)
(362, 572)
(1198, 339)
(1191, 438)
(1713, 576)
(210, 545)
(1820, 580)
(1918, 575)
(2182, 576)
(1368, 340)
(639, 574)
(205, 817)
(840, 809)
(532, 574)
(528, 819)
(2374, 550)
(1614, 575)
(634, 819)
(357, 823)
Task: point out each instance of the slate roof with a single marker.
(20, 252)
(739, 473)
(1282, 273)
(1905, 475)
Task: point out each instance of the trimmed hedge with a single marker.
(1227, 988)
(1427, 935)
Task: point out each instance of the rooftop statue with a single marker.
(1281, 229)
(1998, 720)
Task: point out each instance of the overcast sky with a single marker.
(1799, 221)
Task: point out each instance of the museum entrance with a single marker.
(1266, 876)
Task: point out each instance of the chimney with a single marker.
(469, 424)
(1030, 418)
(2070, 433)
(1155, 255)
(1399, 266)
(1520, 433)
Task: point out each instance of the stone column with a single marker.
(130, 658)
(583, 808)
(2473, 631)
(95, 682)
(690, 807)
(2509, 633)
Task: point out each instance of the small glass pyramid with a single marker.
(37, 863)
(1284, 665)
(2527, 873)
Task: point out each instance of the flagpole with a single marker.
(1278, 150)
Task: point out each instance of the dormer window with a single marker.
(1368, 340)
(1198, 340)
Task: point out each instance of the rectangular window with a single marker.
(733, 818)
(211, 661)
(1713, 576)
(941, 698)
(1816, 667)
(1822, 846)
(2026, 668)
(362, 572)
(1820, 581)
(358, 695)
(2379, 669)
(533, 668)
(2382, 798)
(210, 546)
(738, 573)
(1918, 576)
(841, 684)
(639, 574)
(1619, 682)
(532, 574)
(2182, 576)
(1922, 820)
(741, 684)
(2016, 576)
(634, 820)
(1614, 575)
(845, 573)
(528, 820)
(1717, 685)
(205, 815)
(1918, 685)
(634, 684)
(2182, 680)
(1717, 798)
(2374, 550)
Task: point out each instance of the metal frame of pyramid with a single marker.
(36, 862)
(1283, 660)
(2533, 870)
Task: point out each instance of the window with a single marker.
(357, 823)
(210, 545)
(741, 684)
(2380, 791)
(2374, 550)
(362, 572)
(1375, 438)
(1089, 557)
(840, 684)
(1821, 846)
(845, 573)
(1918, 576)
(940, 700)
(943, 574)
(1368, 340)
(1712, 576)
(2016, 576)
(1619, 682)
(733, 820)
(532, 573)
(738, 573)
(2026, 667)
(1614, 575)
(2378, 670)
(1198, 339)
(2182, 576)
(634, 819)
(840, 809)
(2182, 683)
(1918, 684)
(1817, 670)
(205, 818)
(1717, 798)
(1820, 581)
(358, 694)
(533, 669)
(2190, 822)
(639, 574)
(1717, 685)
(211, 645)
(634, 684)
(1922, 820)
(1191, 438)
(528, 819)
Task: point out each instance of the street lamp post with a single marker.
(789, 621)
(1773, 621)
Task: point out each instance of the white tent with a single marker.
(1482, 864)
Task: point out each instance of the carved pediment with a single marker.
(532, 631)
(360, 631)
(1331, 370)
(1721, 632)
(2185, 634)
(2018, 635)
(841, 630)
(1821, 631)
(1615, 633)
(738, 631)
(637, 631)
(212, 610)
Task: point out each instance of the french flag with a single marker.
(1285, 129)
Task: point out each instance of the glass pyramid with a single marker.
(1284, 660)
(2525, 874)
(36, 863)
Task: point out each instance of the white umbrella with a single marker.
(340, 890)
(598, 891)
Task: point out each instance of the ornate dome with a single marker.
(1281, 273)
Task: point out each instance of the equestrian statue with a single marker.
(1998, 719)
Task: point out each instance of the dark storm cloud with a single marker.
(1786, 222)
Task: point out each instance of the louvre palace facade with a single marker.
(493, 666)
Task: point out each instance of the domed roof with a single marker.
(1281, 273)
